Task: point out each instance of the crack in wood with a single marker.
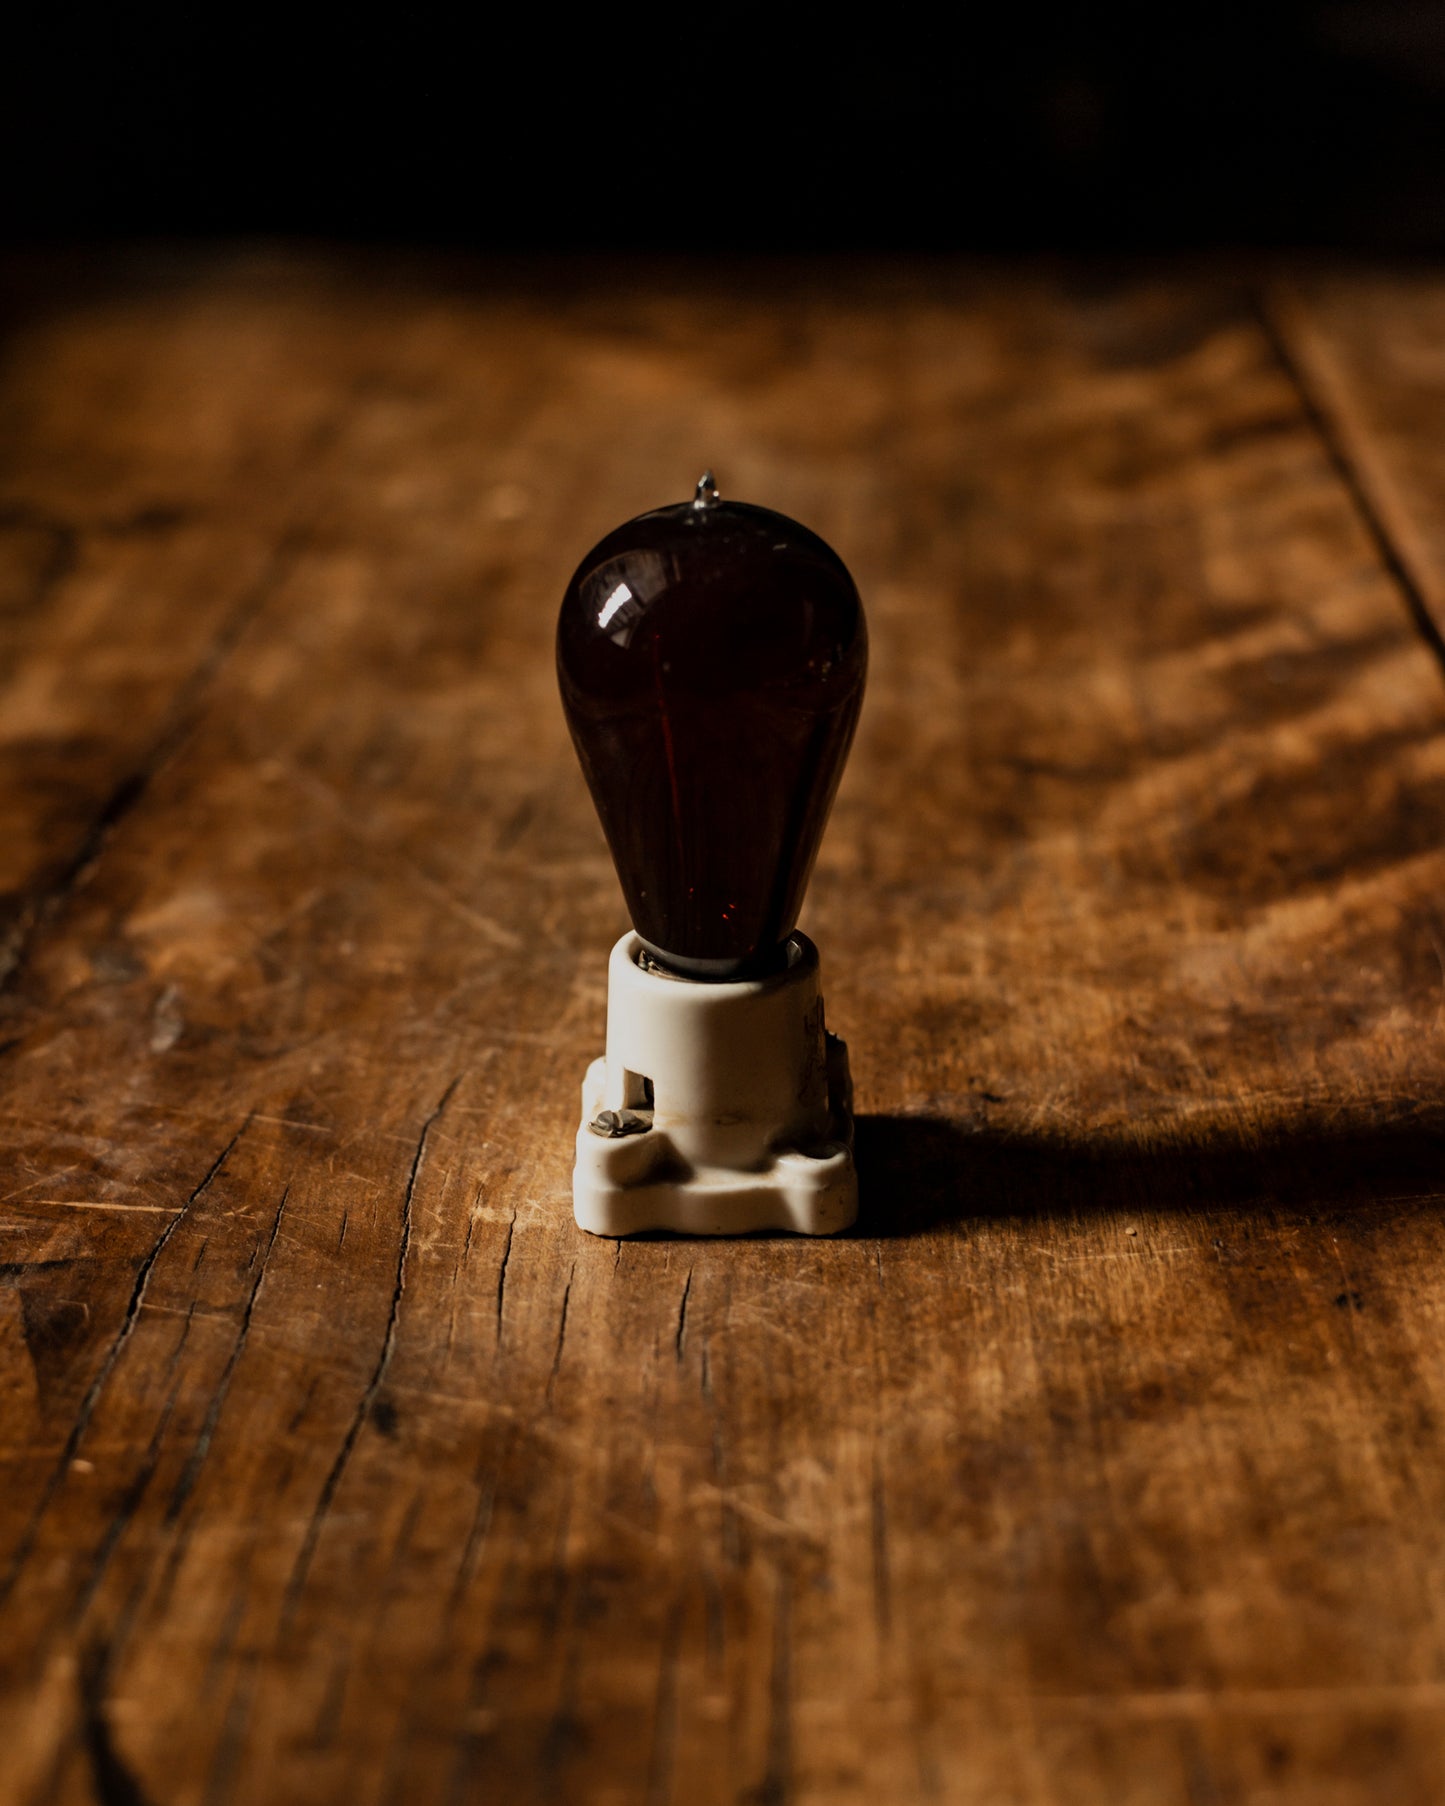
(182, 1339)
(471, 1231)
(564, 1735)
(302, 1567)
(502, 1276)
(110, 1775)
(679, 1341)
(472, 1545)
(298, 1416)
(185, 1485)
(138, 1487)
(107, 1366)
(120, 1519)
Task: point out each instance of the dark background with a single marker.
(746, 128)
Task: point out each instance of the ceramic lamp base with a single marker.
(718, 1109)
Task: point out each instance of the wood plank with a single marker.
(1368, 350)
(1104, 1463)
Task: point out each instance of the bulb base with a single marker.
(720, 1108)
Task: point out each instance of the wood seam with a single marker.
(1275, 315)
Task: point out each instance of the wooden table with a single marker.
(1106, 1461)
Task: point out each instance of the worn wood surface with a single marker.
(1106, 1461)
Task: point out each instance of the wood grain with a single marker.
(1104, 1464)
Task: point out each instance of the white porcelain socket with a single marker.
(719, 1108)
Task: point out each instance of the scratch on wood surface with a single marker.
(51, 1176)
(291, 1122)
(107, 1366)
(144, 1210)
(1144, 1250)
(187, 1311)
(507, 939)
(728, 1498)
(302, 1567)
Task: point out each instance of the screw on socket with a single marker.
(612, 1123)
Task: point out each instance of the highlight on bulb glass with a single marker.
(711, 658)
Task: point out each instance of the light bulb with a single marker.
(711, 658)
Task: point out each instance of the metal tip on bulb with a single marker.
(707, 495)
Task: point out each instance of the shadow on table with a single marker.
(918, 1172)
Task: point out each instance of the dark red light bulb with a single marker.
(711, 658)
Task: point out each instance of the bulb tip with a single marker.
(707, 493)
